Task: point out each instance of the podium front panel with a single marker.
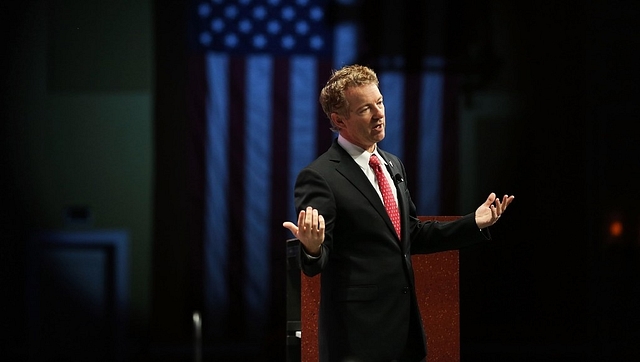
(438, 293)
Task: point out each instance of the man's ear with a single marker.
(337, 120)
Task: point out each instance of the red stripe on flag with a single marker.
(276, 320)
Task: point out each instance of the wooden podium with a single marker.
(437, 289)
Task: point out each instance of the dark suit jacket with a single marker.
(368, 308)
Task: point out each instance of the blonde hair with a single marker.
(332, 98)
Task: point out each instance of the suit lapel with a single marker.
(346, 166)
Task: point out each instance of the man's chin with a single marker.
(379, 137)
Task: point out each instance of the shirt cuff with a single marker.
(309, 256)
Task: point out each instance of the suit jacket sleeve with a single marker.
(312, 190)
(433, 236)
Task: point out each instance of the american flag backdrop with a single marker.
(256, 71)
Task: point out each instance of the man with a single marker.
(368, 307)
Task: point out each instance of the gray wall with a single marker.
(77, 129)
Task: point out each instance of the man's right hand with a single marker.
(310, 230)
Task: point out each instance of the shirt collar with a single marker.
(359, 154)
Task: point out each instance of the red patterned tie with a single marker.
(387, 194)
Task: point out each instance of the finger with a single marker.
(301, 217)
(490, 199)
(308, 220)
(510, 199)
(314, 219)
(499, 207)
(506, 200)
(291, 226)
(321, 223)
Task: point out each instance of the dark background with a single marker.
(555, 284)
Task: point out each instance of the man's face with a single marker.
(365, 124)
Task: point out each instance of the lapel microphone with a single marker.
(397, 178)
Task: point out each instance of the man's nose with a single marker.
(379, 111)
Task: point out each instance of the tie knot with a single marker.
(374, 161)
